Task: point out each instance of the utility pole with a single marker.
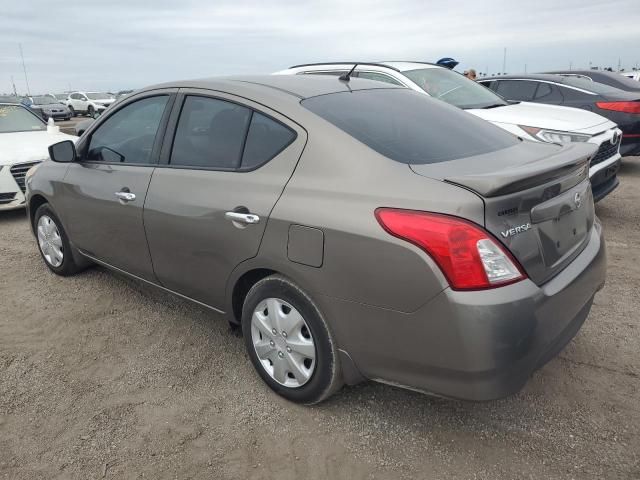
(24, 68)
(570, 65)
(504, 62)
(525, 68)
(14, 86)
(618, 63)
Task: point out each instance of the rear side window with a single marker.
(210, 134)
(548, 93)
(266, 138)
(517, 89)
(409, 127)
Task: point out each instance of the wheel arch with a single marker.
(35, 202)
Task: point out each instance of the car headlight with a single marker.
(555, 136)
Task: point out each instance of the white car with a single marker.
(531, 121)
(89, 103)
(24, 143)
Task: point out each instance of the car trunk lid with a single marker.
(537, 198)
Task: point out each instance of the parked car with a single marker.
(619, 106)
(24, 140)
(608, 78)
(542, 123)
(50, 108)
(634, 75)
(354, 230)
(89, 103)
(20, 101)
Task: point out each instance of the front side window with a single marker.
(14, 118)
(517, 89)
(128, 135)
(409, 127)
(379, 77)
(453, 88)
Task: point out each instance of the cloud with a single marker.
(120, 44)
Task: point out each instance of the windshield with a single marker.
(44, 100)
(409, 127)
(14, 118)
(100, 96)
(453, 88)
(590, 86)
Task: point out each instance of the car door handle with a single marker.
(126, 196)
(245, 218)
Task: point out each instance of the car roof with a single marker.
(294, 86)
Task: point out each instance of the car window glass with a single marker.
(409, 127)
(517, 89)
(128, 135)
(266, 138)
(380, 77)
(210, 134)
(453, 88)
(548, 93)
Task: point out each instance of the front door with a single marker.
(107, 186)
(210, 198)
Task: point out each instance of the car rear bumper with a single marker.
(630, 146)
(476, 346)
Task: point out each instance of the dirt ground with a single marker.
(101, 377)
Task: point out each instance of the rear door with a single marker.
(208, 203)
(107, 186)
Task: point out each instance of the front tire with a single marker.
(91, 111)
(53, 242)
(289, 342)
(73, 112)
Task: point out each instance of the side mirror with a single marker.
(63, 152)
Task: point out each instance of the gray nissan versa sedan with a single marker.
(355, 230)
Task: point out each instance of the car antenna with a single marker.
(347, 76)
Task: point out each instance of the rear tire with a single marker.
(53, 243)
(309, 371)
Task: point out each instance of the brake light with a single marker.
(626, 107)
(469, 257)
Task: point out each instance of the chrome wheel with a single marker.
(283, 343)
(50, 241)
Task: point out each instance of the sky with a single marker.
(121, 44)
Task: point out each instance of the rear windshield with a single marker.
(409, 127)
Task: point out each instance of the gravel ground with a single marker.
(101, 377)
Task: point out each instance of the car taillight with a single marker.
(626, 107)
(469, 257)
